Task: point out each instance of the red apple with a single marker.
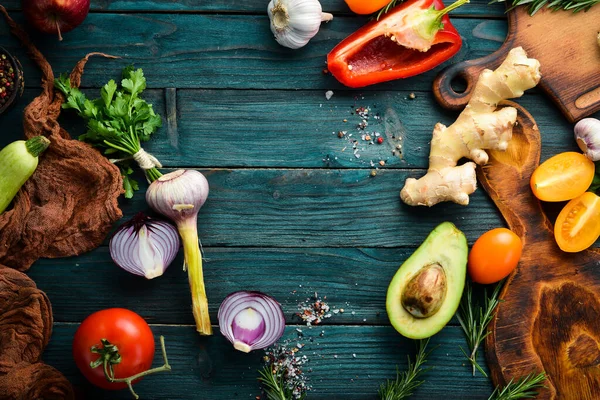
(55, 16)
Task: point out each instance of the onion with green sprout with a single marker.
(179, 195)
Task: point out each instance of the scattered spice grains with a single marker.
(313, 310)
(288, 366)
(366, 134)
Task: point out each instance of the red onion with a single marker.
(144, 246)
(251, 320)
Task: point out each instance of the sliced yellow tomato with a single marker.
(366, 6)
(562, 177)
(578, 224)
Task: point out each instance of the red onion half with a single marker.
(251, 320)
(144, 246)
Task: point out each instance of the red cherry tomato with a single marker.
(494, 256)
(123, 328)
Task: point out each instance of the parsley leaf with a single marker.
(118, 121)
(108, 91)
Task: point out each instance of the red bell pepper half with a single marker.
(413, 38)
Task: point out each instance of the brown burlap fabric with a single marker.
(35, 382)
(70, 203)
(25, 329)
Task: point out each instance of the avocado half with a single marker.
(436, 273)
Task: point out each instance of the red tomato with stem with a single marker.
(127, 331)
(494, 256)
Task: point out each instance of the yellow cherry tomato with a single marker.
(366, 6)
(494, 256)
(562, 177)
(578, 224)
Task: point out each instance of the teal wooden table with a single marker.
(292, 211)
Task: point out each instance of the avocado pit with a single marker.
(424, 294)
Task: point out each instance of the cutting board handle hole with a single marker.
(459, 84)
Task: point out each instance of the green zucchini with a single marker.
(18, 162)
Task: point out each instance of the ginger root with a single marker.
(477, 128)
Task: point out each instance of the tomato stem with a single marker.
(109, 355)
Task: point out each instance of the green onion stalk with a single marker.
(179, 195)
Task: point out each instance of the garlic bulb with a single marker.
(587, 135)
(295, 22)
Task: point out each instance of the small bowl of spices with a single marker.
(11, 80)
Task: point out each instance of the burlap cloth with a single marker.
(66, 208)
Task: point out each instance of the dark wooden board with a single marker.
(322, 208)
(548, 318)
(323, 225)
(477, 7)
(169, 49)
(570, 64)
(354, 280)
(294, 129)
(209, 368)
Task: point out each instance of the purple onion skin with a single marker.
(178, 187)
(248, 336)
(269, 330)
(125, 244)
(179, 195)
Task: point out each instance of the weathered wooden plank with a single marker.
(477, 7)
(297, 129)
(300, 128)
(346, 361)
(222, 51)
(355, 280)
(322, 208)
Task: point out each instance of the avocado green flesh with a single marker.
(446, 246)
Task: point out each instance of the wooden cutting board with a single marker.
(549, 319)
(566, 46)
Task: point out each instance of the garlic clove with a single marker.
(295, 22)
(587, 136)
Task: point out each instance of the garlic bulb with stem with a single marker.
(179, 195)
(295, 22)
(587, 135)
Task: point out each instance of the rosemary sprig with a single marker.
(534, 6)
(387, 8)
(406, 382)
(524, 388)
(474, 321)
(274, 384)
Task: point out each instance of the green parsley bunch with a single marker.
(119, 121)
